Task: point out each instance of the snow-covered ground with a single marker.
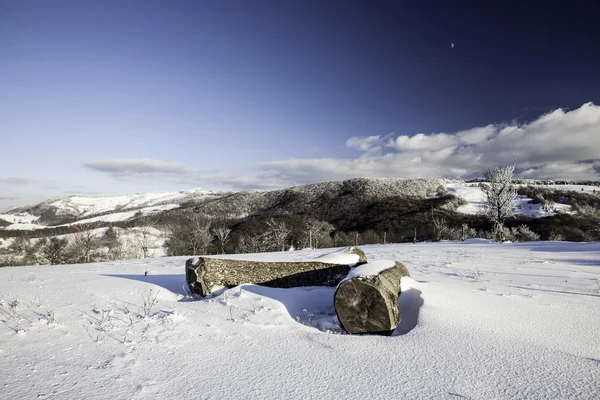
(25, 227)
(481, 320)
(20, 218)
(123, 216)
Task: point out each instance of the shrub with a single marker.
(524, 234)
(441, 190)
(556, 236)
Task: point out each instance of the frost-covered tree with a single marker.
(500, 194)
(523, 233)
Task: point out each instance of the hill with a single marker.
(338, 213)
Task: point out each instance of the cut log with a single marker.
(366, 301)
(204, 273)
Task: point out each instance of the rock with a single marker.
(204, 273)
(366, 301)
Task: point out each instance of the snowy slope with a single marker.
(25, 227)
(20, 218)
(112, 217)
(111, 208)
(480, 320)
(90, 205)
(474, 196)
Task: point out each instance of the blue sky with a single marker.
(117, 97)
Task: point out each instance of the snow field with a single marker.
(480, 320)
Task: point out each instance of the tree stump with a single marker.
(204, 273)
(366, 301)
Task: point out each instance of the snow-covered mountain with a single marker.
(119, 208)
(102, 208)
(480, 320)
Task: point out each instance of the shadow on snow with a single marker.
(410, 303)
(317, 300)
(172, 282)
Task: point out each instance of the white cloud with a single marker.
(550, 147)
(422, 142)
(139, 166)
(364, 144)
(476, 135)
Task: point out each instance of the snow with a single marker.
(123, 216)
(25, 227)
(5, 243)
(340, 257)
(474, 196)
(535, 210)
(372, 268)
(471, 193)
(88, 206)
(480, 320)
(113, 217)
(24, 218)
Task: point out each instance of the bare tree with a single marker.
(145, 240)
(277, 233)
(500, 194)
(319, 233)
(370, 237)
(222, 234)
(85, 242)
(342, 239)
(439, 226)
(252, 243)
(201, 235)
(190, 234)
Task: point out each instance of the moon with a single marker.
(452, 45)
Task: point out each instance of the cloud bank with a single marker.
(16, 181)
(136, 167)
(558, 145)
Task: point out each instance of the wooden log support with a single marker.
(366, 301)
(204, 273)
